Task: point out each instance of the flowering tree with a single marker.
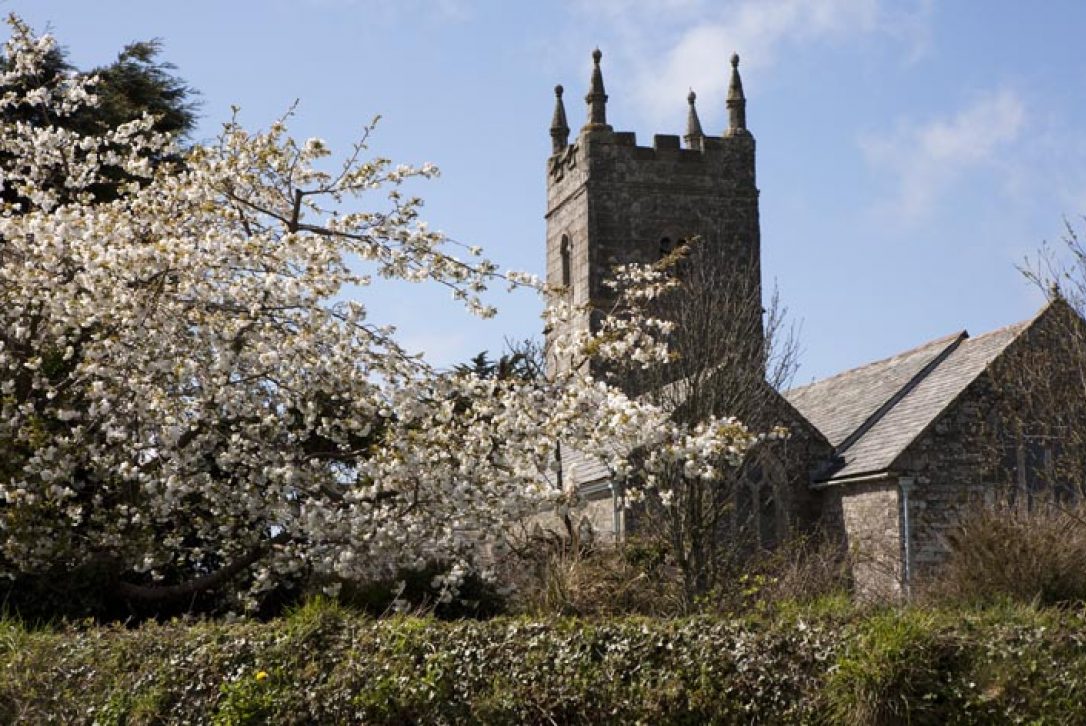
(188, 403)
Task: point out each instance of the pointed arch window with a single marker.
(565, 250)
(761, 512)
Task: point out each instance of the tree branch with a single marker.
(162, 593)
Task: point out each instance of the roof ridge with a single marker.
(953, 341)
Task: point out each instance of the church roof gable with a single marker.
(873, 413)
(839, 405)
(888, 437)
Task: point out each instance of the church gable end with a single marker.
(981, 419)
(1004, 436)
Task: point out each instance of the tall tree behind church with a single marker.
(136, 82)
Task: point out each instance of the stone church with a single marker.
(885, 457)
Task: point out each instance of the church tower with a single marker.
(610, 201)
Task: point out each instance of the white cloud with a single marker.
(927, 158)
(674, 44)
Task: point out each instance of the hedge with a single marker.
(324, 665)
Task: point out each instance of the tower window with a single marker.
(667, 246)
(671, 242)
(566, 252)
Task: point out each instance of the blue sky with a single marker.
(910, 152)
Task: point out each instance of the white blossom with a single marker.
(183, 384)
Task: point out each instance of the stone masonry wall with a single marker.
(615, 201)
(870, 515)
(800, 452)
(595, 512)
(955, 466)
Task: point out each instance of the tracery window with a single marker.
(760, 507)
(1037, 470)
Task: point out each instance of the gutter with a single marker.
(854, 479)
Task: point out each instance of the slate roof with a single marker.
(581, 468)
(839, 405)
(871, 414)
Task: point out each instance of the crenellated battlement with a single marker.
(608, 156)
(670, 143)
(711, 150)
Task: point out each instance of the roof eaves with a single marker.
(858, 477)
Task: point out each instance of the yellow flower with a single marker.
(261, 675)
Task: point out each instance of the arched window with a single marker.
(761, 509)
(565, 249)
(672, 240)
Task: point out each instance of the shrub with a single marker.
(893, 670)
(1007, 551)
(324, 664)
(568, 577)
(800, 570)
(570, 574)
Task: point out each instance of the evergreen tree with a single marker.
(136, 82)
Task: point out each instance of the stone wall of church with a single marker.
(567, 218)
(595, 513)
(955, 467)
(785, 472)
(967, 458)
(778, 472)
(869, 517)
(610, 201)
(800, 452)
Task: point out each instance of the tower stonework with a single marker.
(610, 201)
